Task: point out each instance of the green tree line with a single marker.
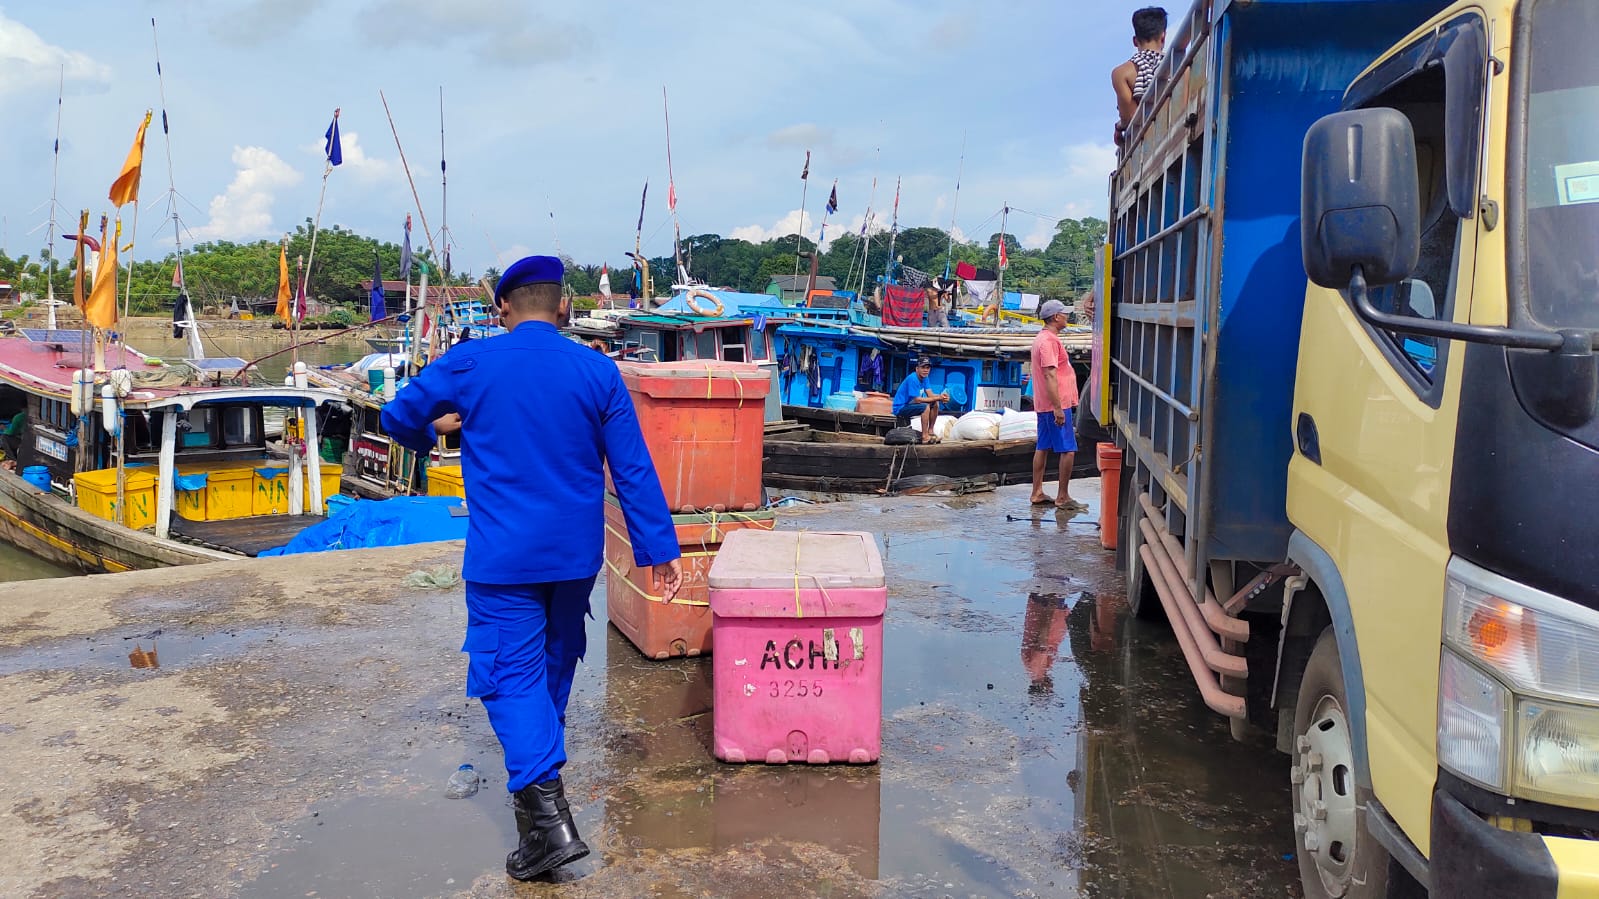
(218, 272)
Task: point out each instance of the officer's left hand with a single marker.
(447, 423)
(668, 579)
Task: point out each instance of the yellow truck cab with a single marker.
(1364, 506)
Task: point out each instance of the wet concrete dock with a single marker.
(295, 739)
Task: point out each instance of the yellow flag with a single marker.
(284, 290)
(100, 310)
(125, 189)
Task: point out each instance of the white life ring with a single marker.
(696, 308)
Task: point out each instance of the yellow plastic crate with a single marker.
(270, 491)
(229, 493)
(446, 480)
(97, 495)
(330, 486)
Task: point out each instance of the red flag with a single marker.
(966, 271)
(671, 196)
(177, 275)
(1002, 251)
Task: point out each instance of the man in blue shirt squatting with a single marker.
(535, 535)
(916, 397)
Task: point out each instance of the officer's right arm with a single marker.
(638, 487)
(408, 418)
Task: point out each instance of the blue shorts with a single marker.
(911, 410)
(1054, 437)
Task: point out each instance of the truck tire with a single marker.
(1338, 859)
(1141, 598)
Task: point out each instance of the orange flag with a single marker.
(79, 275)
(125, 189)
(101, 309)
(285, 291)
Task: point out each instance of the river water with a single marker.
(16, 565)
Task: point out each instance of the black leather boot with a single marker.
(548, 838)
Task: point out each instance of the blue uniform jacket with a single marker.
(540, 414)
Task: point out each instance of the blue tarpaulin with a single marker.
(191, 482)
(392, 522)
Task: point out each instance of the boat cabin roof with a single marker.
(44, 367)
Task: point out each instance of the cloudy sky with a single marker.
(556, 108)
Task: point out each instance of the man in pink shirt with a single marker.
(1054, 398)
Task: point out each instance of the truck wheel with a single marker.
(1141, 597)
(1338, 859)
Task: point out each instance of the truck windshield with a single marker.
(1562, 224)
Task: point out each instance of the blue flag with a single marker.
(405, 252)
(330, 145)
(378, 311)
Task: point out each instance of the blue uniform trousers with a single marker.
(523, 642)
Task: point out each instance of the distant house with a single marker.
(7, 294)
(791, 288)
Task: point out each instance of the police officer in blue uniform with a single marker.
(540, 418)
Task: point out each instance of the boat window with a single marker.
(705, 344)
(758, 345)
(240, 426)
(733, 352)
(197, 428)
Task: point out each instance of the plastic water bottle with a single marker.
(463, 783)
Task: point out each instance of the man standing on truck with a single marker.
(1133, 77)
(1054, 398)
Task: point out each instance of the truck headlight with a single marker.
(1518, 708)
(1471, 722)
(1558, 757)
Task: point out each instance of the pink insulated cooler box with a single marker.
(797, 620)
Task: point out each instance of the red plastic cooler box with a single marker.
(797, 617)
(681, 627)
(703, 422)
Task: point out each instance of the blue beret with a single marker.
(529, 270)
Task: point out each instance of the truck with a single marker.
(1347, 351)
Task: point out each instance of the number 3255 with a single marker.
(795, 688)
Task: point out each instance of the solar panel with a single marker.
(222, 364)
(57, 337)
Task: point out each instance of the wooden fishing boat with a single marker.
(146, 463)
(827, 462)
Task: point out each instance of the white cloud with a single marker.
(788, 224)
(510, 254)
(804, 136)
(27, 61)
(363, 167)
(1092, 162)
(245, 210)
(500, 31)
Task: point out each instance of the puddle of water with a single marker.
(415, 844)
(1036, 741)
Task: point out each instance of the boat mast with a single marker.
(190, 326)
(444, 198)
(893, 235)
(50, 243)
(671, 196)
(999, 290)
(949, 252)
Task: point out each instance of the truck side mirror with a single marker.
(1360, 202)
